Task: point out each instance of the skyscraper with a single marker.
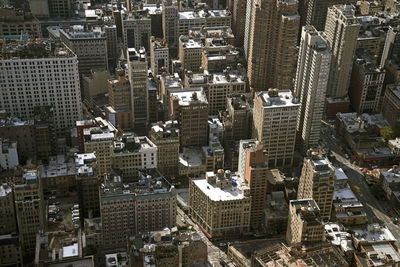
(239, 20)
(341, 30)
(275, 119)
(317, 181)
(310, 86)
(255, 176)
(272, 45)
(137, 73)
(170, 25)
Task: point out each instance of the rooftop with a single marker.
(191, 156)
(189, 96)
(373, 233)
(58, 166)
(79, 32)
(308, 210)
(338, 237)
(190, 42)
(168, 129)
(203, 14)
(274, 98)
(83, 163)
(5, 189)
(133, 144)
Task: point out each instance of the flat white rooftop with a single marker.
(217, 194)
(283, 98)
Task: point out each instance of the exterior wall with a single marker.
(193, 120)
(7, 212)
(137, 32)
(103, 149)
(10, 251)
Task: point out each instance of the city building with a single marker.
(112, 45)
(131, 153)
(128, 209)
(347, 209)
(244, 146)
(137, 29)
(391, 184)
(166, 137)
(190, 108)
(391, 105)
(170, 17)
(239, 21)
(28, 67)
(100, 140)
(255, 176)
(275, 116)
(8, 154)
(317, 181)
(169, 82)
(276, 213)
(89, 45)
(29, 209)
(10, 251)
(218, 55)
(88, 182)
(217, 87)
(220, 205)
(310, 86)
(119, 113)
(236, 118)
(159, 56)
(342, 40)
(272, 65)
(366, 85)
(80, 126)
(95, 83)
(190, 53)
(45, 131)
(137, 74)
(7, 213)
(189, 20)
(305, 224)
(13, 21)
(58, 175)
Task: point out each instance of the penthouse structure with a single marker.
(190, 108)
(305, 224)
(218, 55)
(275, 118)
(130, 154)
(166, 137)
(128, 209)
(136, 27)
(90, 47)
(188, 20)
(317, 181)
(220, 204)
(217, 87)
(28, 67)
(29, 209)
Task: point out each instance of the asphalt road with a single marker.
(377, 211)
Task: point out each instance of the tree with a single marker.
(387, 133)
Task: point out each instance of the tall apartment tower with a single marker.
(239, 21)
(310, 85)
(341, 30)
(305, 224)
(137, 73)
(255, 176)
(170, 15)
(317, 181)
(30, 209)
(275, 118)
(112, 45)
(272, 44)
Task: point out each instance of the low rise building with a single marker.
(130, 208)
(276, 213)
(377, 255)
(394, 146)
(305, 224)
(337, 236)
(371, 235)
(347, 209)
(391, 184)
(191, 162)
(132, 153)
(190, 50)
(220, 204)
(218, 55)
(166, 137)
(14, 21)
(58, 174)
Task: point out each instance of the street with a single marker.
(376, 210)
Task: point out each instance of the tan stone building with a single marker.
(166, 137)
(159, 56)
(341, 31)
(255, 176)
(317, 181)
(272, 45)
(391, 105)
(190, 108)
(119, 94)
(220, 208)
(190, 53)
(305, 224)
(29, 209)
(95, 83)
(13, 21)
(275, 118)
